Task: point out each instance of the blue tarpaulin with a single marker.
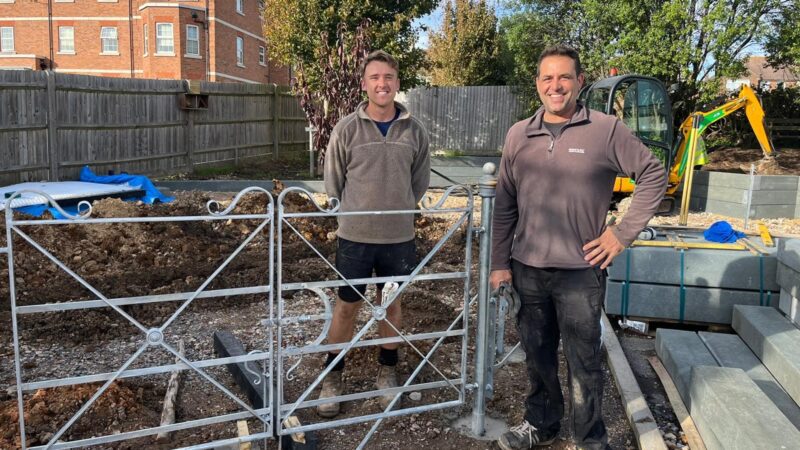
(139, 182)
(723, 232)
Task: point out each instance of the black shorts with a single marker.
(357, 260)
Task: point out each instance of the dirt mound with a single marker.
(785, 161)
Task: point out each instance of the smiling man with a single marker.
(377, 160)
(551, 243)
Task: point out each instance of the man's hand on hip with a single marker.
(498, 276)
(603, 249)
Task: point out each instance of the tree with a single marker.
(466, 50)
(689, 42)
(783, 41)
(294, 29)
(340, 91)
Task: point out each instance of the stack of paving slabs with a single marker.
(690, 279)
(742, 390)
(789, 278)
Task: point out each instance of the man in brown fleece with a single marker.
(551, 243)
(377, 160)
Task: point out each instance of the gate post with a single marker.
(487, 188)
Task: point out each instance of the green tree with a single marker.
(467, 49)
(783, 41)
(689, 42)
(294, 29)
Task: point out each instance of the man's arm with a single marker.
(634, 159)
(421, 168)
(504, 221)
(335, 167)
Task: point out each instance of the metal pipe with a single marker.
(487, 188)
(689, 174)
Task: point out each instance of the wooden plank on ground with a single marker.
(639, 415)
(687, 424)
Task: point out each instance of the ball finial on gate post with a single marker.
(488, 181)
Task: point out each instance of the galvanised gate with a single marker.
(275, 359)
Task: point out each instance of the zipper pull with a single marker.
(552, 144)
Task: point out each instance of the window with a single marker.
(66, 40)
(239, 7)
(240, 51)
(164, 41)
(192, 40)
(7, 39)
(108, 40)
(262, 56)
(146, 40)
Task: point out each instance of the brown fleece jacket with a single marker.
(369, 172)
(553, 194)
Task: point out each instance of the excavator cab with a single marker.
(643, 106)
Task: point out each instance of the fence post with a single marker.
(188, 140)
(52, 126)
(487, 188)
(275, 118)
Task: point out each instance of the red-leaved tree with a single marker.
(340, 83)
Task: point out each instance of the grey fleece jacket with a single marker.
(553, 194)
(369, 172)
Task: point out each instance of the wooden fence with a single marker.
(472, 119)
(53, 124)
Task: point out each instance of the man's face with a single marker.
(558, 85)
(381, 83)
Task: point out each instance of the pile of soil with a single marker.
(786, 161)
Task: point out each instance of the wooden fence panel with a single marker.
(23, 129)
(53, 124)
(469, 119)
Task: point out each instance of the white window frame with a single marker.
(196, 40)
(239, 51)
(240, 6)
(61, 40)
(165, 39)
(146, 42)
(3, 48)
(113, 38)
(262, 55)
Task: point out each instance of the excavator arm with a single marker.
(755, 116)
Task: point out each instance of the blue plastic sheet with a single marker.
(152, 195)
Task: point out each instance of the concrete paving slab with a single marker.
(737, 195)
(738, 209)
(727, 269)
(742, 181)
(707, 305)
(679, 351)
(707, 433)
(788, 279)
(730, 351)
(775, 341)
(790, 306)
(789, 253)
(737, 413)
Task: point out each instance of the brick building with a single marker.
(211, 40)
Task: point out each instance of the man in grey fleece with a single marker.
(377, 160)
(551, 243)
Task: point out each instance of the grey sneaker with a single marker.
(387, 378)
(331, 387)
(524, 436)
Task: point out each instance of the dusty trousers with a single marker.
(563, 304)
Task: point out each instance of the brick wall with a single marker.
(217, 39)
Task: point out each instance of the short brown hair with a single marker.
(560, 50)
(379, 55)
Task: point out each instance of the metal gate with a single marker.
(291, 356)
(284, 363)
(145, 339)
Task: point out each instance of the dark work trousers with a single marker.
(565, 304)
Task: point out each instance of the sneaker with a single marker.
(524, 436)
(331, 387)
(387, 378)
